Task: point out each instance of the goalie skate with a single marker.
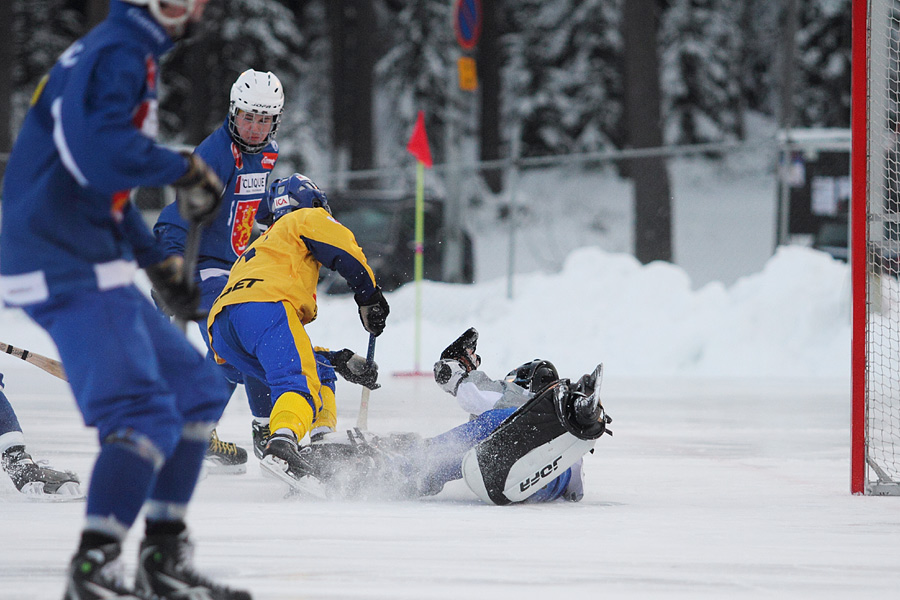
(37, 480)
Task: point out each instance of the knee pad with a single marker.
(139, 444)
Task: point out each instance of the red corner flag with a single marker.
(418, 142)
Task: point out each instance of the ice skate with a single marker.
(282, 460)
(224, 457)
(165, 569)
(96, 574)
(37, 480)
(587, 405)
(260, 438)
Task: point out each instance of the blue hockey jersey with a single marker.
(88, 138)
(246, 177)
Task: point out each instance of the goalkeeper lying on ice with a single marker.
(524, 441)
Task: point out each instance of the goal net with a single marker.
(875, 241)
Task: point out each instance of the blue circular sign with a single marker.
(467, 22)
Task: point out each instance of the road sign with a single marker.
(467, 22)
(468, 73)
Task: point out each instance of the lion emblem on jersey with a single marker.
(244, 214)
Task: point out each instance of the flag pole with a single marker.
(418, 147)
(418, 265)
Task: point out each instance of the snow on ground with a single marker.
(727, 476)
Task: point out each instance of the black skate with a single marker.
(588, 408)
(224, 457)
(580, 403)
(164, 569)
(96, 574)
(463, 350)
(37, 480)
(260, 438)
(283, 461)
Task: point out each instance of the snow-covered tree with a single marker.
(43, 29)
(700, 50)
(822, 91)
(564, 78)
(418, 73)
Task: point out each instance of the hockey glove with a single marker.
(449, 373)
(201, 191)
(463, 350)
(173, 291)
(353, 368)
(373, 312)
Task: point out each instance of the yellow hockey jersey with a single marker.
(283, 264)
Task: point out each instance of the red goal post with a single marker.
(875, 248)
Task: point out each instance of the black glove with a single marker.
(201, 191)
(463, 350)
(172, 290)
(353, 368)
(373, 312)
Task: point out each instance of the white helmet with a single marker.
(177, 22)
(257, 93)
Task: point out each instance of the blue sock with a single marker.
(8, 420)
(178, 477)
(120, 483)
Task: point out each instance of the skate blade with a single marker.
(67, 492)
(303, 487)
(214, 467)
(597, 380)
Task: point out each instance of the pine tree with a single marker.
(564, 79)
(822, 97)
(418, 73)
(700, 54)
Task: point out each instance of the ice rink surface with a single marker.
(729, 488)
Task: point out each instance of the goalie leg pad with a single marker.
(530, 449)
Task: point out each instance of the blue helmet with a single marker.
(289, 194)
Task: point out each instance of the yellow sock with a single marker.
(291, 411)
(327, 416)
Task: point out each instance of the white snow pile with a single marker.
(790, 320)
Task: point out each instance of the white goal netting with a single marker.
(882, 296)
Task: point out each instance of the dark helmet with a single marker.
(534, 376)
(289, 194)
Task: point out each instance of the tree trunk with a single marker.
(489, 63)
(352, 65)
(652, 200)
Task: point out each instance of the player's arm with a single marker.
(334, 246)
(146, 249)
(98, 121)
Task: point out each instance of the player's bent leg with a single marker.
(532, 448)
(291, 418)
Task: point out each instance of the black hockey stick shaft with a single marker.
(191, 255)
(362, 421)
